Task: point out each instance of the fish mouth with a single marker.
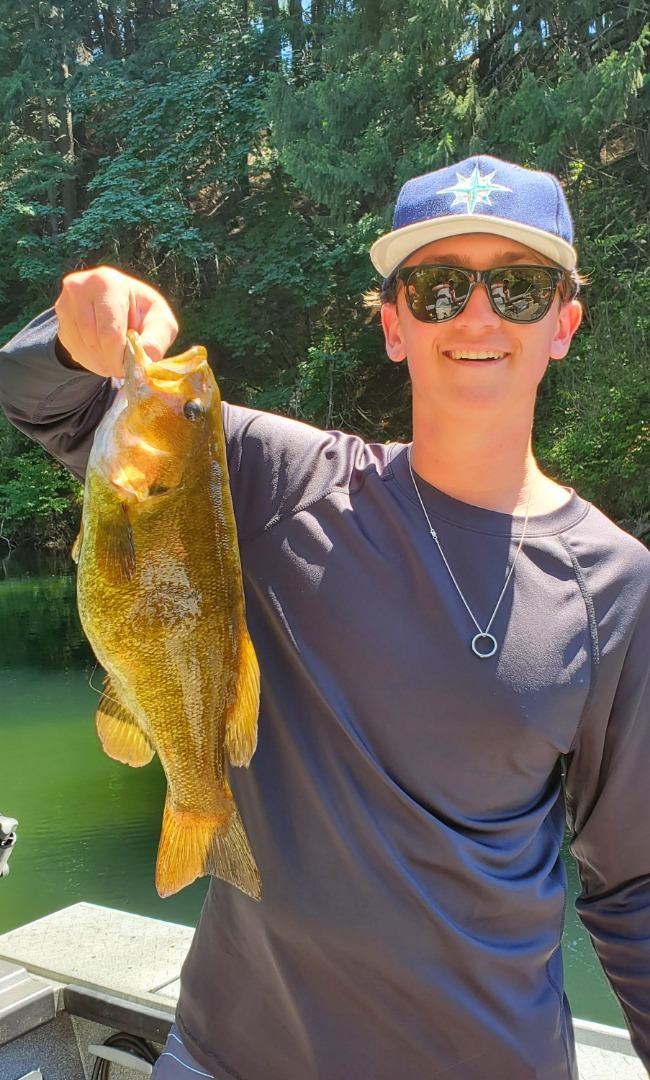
(139, 367)
(163, 374)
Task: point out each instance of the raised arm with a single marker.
(58, 378)
(95, 309)
(56, 374)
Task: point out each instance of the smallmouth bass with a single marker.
(160, 598)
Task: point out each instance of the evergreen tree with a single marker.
(243, 155)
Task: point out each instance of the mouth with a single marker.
(484, 356)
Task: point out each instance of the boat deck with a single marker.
(88, 965)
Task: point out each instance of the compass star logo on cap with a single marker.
(473, 190)
(534, 213)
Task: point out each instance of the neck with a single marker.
(487, 467)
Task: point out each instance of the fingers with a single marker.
(95, 309)
(155, 322)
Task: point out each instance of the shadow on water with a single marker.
(39, 625)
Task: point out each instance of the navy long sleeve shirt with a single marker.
(407, 800)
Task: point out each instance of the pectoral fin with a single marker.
(241, 726)
(114, 549)
(121, 735)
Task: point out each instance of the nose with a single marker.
(478, 310)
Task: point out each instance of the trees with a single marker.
(243, 154)
(559, 87)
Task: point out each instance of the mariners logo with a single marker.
(471, 191)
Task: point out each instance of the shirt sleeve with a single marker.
(276, 464)
(52, 404)
(608, 789)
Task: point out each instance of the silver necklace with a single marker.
(489, 641)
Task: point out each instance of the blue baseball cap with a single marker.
(479, 195)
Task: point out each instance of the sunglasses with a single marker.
(520, 294)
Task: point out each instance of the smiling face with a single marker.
(477, 362)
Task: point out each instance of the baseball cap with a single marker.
(479, 195)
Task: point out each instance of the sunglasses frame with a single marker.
(477, 277)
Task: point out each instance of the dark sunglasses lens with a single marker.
(436, 293)
(522, 294)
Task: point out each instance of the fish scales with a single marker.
(161, 600)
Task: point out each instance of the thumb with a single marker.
(155, 322)
(151, 345)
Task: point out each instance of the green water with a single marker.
(89, 826)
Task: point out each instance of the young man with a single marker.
(454, 654)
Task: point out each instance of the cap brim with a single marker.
(391, 249)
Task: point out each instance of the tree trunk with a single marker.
(318, 13)
(69, 184)
(270, 11)
(371, 19)
(113, 42)
(296, 37)
(47, 144)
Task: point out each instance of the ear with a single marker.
(395, 347)
(568, 321)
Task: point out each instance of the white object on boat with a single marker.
(121, 1057)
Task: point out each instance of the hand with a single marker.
(96, 308)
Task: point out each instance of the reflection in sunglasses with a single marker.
(519, 293)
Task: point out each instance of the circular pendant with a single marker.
(487, 638)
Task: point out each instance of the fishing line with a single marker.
(90, 681)
(102, 693)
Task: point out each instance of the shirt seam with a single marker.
(37, 415)
(82, 376)
(336, 489)
(557, 988)
(351, 489)
(530, 531)
(593, 634)
(208, 1053)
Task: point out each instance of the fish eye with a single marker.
(193, 409)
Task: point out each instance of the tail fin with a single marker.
(192, 845)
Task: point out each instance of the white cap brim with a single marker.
(390, 250)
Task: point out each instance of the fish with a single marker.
(161, 601)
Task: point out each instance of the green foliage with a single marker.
(39, 500)
(243, 155)
(593, 426)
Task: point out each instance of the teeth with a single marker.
(476, 355)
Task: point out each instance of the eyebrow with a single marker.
(504, 258)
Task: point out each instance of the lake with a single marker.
(89, 826)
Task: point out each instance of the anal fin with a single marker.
(241, 726)
(121, 735)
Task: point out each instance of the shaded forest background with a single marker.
(242, 155)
